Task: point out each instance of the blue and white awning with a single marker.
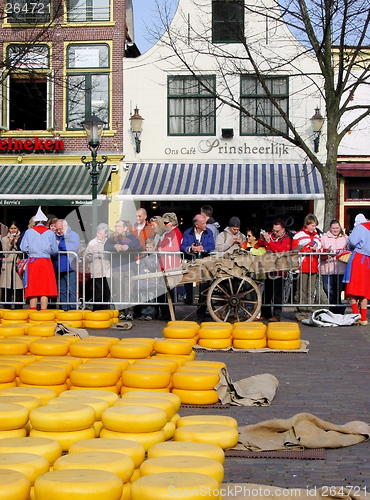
(215, 181)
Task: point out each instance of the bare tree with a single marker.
(332, 34)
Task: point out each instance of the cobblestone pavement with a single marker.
(331, 381)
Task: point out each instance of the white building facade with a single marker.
(196, 149)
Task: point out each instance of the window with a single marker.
(255, 101)
(88, 83)
(88, 10)
(27, 11)
(29, 88)
(227, 21)
(191, 105)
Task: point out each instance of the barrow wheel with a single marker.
(234, 299)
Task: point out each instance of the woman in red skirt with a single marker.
(39, 278)
(357, 274)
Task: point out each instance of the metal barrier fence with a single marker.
(106, 280)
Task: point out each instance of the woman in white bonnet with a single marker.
(39, 278)
(360, 219)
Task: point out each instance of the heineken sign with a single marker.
(31, 145)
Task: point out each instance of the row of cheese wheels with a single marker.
(74, 318)
(213, 335)
(158, 463)
(202, 428)
(179, 374)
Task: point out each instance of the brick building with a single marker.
(62, 63)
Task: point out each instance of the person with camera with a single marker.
(197, 243)
(230, 236)
(11, 283)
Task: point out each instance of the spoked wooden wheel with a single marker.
(234, 299)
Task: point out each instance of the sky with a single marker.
(145, 12)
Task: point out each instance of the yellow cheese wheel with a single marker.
(61, 363)
(29, 464)
(196, 397)
(72, 315)
(11, 346)
(284, 334)
(11, 330)
(94, 376)
(14, 433)
(215, 343)
(125, 390)
(169, 430)
(14, 485)
(211, 333)
(216, 324)
(43, 330)
(207, 419)
(101, 338)
(284, 344)
(180, 358)
(203, 362)
(164, 404)
(175, 400)
(57, 388)
(202, 381)
(62, 417)
(28, 402)
(202, 369)
(183, 322)
(250, 344)
(122, 363)
(17, 314)
(146, 379)
(134, 418)
(43, 374)
(249, 326)
(149, 366)
(147, 439)
(223, 436)
(98, 405)
(241, 334)
(187, 448)
(78, 484)
(111, 388)
(22, 338)
(118, 463)
(180, 332)
(89, 350)
(48, 315)
(12, 416)
(27, 360)
(6, 385)
(183, 463)
(175, 418)
(65, 439)
(167, 485)
(47, 448)
(139, 350)
(107, 396)
(283, 325)
(97, 316)
(7, 373)
(17, 365)
(45, 347)
(134, 450)
(172, 347)
(75, 362)
(44, 394)
(98, 325)
(170, 364)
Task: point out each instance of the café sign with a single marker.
(31, 145)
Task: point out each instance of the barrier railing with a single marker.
(106, 280)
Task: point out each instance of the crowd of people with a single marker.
(157, 244)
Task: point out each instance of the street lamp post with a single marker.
(317, 121)
(94, 129)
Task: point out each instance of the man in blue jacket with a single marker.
(197, 243)
(67, 264)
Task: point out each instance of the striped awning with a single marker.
(53, 184)
(168, 181)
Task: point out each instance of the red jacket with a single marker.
(277, 244)
(303, 238)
